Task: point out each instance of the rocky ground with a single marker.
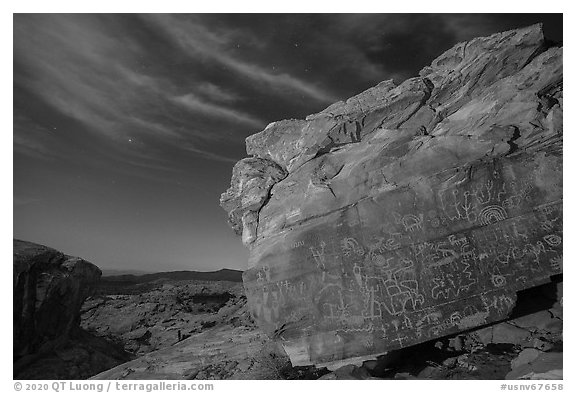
(187, 329)
(163, 314)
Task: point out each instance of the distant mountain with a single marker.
(135, 278)
(120, 272)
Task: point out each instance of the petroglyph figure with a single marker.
(556, 263)
(319, 256)
(410, 222)
(547, 224)
(492, 214)
(350, 245)
(498, 280)
(483, 193)
(266, 270)
(457, 241)
(553, 240)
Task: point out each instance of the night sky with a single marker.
(126, 127)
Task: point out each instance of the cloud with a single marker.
(72, 64)
(216, 93)
(210, 155)
(194, 103)
(198, 40)
(88, 68)
(31, 139)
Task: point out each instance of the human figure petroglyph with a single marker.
(468, 207)
(372, 308)
(358, 277)
(266, 270)
(319, 256)
(260, 277)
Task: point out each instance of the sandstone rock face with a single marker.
(408, 212)
(49, 289)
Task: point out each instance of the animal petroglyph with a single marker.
(410, 222)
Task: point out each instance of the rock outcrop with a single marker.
(158, 317)
(49, 289)
(409, 212)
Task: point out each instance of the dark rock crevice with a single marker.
(511, 142)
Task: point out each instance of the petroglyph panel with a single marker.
(411, 264)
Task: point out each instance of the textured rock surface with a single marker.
(225, 351)
(408, 212)
(184, 329)
(49, 289)
(164, 314)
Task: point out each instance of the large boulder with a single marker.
(49, 289)
(408, 212)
